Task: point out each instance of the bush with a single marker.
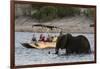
(77, 11)
(89, 13)
(47, 13)
(69, 11)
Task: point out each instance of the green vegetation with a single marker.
(89, 13)
(70, 11)
(47, 13)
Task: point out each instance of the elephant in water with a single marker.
(78, 44)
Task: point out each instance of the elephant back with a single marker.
(79, 44)
(85, 44)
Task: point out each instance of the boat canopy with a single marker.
(47, 26)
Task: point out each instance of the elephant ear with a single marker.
(66, 39)
(69, 36)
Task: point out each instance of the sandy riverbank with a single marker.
(68, 24)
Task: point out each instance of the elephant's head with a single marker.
(62, 42)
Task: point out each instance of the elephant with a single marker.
(73, 44)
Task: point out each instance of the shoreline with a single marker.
(23, 29)
(56, 32)
(79, 24)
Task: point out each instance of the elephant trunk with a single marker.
(56, 50)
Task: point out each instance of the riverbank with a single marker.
(80, 24)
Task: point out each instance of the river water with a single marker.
(25, 56)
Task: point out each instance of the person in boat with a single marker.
(49, 38)
(54, 39)
(34, 38)
(42, 37)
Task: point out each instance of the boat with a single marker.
(27, 45)
(39, 45)
(42, 44)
